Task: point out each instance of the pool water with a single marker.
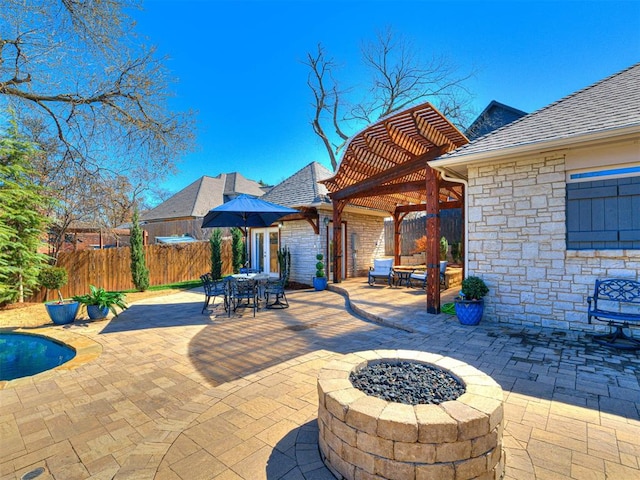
(24, 355)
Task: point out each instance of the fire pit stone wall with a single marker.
(365, 437)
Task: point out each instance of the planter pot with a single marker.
(96, 313)
(469, 312)
(319, 283)
(62, 313)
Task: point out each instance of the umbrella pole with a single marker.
(246, 242)
(246, 247)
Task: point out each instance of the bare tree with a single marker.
(94, 96)
(399, 78)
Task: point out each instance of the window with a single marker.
(603, 214)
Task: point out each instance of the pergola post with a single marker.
(397, 221)
(338, 206)
(398, 217)
(433, 241)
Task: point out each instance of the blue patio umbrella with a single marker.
(245, 211)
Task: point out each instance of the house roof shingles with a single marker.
(206, 193)
(606, 105)
(302, 188)
(494, 116)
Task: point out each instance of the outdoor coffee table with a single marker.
(402, 275)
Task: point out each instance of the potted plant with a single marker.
(444, 249)
(60, 311)
(99, 302)
(456, 252)
(469, 305)
(320, 280)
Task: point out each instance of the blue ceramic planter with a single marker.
(469, 312)
(319, 283)
(95, 312)
(62, 313)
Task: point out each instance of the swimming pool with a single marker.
(23, 355)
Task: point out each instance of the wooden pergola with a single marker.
(384, 167)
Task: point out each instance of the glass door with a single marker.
(257, 258)
(273, 252)
(264, 252)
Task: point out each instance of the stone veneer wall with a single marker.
(304, 244)
(370, 232)
(517, 244)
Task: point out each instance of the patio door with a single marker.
(264, 250)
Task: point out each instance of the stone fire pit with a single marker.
(365, 437)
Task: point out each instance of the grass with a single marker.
(35, 315)
(171, 286)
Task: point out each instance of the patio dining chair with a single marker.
(276, 287)
(382, 268)
(242, 293)
(212, 289)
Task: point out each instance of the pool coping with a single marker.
(86, 350)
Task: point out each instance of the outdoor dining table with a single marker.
(257, 281)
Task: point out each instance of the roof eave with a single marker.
(535, 147)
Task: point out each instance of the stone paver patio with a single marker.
(164, 392)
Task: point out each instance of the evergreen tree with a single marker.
(216, 253)
(238, 250)
(139, 270)
(284, 261)
(22, 222)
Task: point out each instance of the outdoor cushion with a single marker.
(382, 268)
(418, 277)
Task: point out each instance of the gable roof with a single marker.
(608, 107)
(206, 193)
(494, 116)
(302, 188)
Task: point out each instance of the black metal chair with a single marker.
(212, 289)
(242, 293)
(276, 287)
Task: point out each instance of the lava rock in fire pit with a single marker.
(407, 382)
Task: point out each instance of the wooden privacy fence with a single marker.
(111, 268)
(413, 229)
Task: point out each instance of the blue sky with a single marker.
(239, 63)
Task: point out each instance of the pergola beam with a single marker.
(421, 207)
(416, 186)
(370, 184)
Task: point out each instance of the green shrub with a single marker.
(53, 278)
(103, 299)
(284, 261)
(474, 288)
(456, 252)
(139, 270)
(444, 248)
(216, 253)
(319, 266)
(237, 249)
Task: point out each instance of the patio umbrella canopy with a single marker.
(245, 211)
